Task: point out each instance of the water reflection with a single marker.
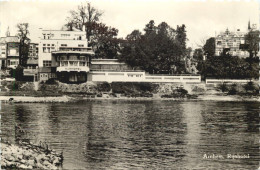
(147, 135)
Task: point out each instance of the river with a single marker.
(141, 134)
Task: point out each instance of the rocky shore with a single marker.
(29, 156)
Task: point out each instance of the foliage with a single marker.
(103, 87)
(233, 90)
(227, 66)
(198, 54)
(104, 40)
(178, 93)
(209, 47)
(223, 87)
(84, 15)
(51, 81)
(250, 88)
(17, 73)
(160, 48)
(252, 41)
(133, 88)
(23, 34)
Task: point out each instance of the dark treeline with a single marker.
(161, 49)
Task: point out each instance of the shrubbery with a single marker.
(223, 87)
(178, 93)
(233, 90)
(17, 73)
(251, 88)
(103, 87)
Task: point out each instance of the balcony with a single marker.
(73, 66)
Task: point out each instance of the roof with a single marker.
(45, 70)
(31, 61)
(12, 39)
(74, 52)
(106, 61)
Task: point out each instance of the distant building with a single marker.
(33, 50)
(9, 52)
(65, 55)
(233, 42)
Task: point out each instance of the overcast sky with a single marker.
(202, 19)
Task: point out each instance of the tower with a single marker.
(249, 25)
(7, 32)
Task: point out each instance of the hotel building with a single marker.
(64, 55)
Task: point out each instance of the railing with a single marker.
(108, 70)
(218, 81)
(134, 76)
(73, 68)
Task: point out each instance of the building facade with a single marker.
(9, 52)
(64, 54)
(33, 50)
(233, 42)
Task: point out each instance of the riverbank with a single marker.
(30, 99)
(29, 156)
(63, 99)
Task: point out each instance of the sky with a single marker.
(203, 19)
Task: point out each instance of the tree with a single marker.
(252, 41)
(198, 54)
(104, 40)
(84, 15)
(227, 66)
(161, 49)
(209, 47)
(23, 34)
(17, 73)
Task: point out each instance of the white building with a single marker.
(64, 52)
(9, 52)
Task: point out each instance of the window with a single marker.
(3, 52)
(44, 44)
(82, 63)
(48, 44)
(81, 45)
(52, 45)
(82, 58)
(65, 35)
(63, 45)
(44, 36)
(46, 63)
(44, 50)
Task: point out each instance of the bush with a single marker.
(51, 81)
(103, 87)
(233, 89)
(223, 87)
(17, 73)
(250, 88)
(182, 91)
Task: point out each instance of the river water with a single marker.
(141, 134)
